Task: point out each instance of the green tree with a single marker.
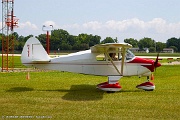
(71, 40)
(83, 40)
(131, 41)
(16, 36)
(27, 37)
(160, 46)
(94, 40)
(108, 40)
(65, 46)
(76, 46)
(57, 38)
(61, 39)
(173, 42)
(174, 48)
(21, 41)
(152, 49)
(42, 39)
(146, 43)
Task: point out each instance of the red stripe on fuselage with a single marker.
(148, 63)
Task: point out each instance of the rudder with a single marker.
(33, 51)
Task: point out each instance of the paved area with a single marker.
(172, 63)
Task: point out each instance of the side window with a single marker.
(129, 55)
(113, 56)
(100, 57)
(120, 56)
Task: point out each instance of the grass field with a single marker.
(17, 62)
(70, 96)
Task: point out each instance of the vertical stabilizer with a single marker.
(33, 51)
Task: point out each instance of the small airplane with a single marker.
(113, 60)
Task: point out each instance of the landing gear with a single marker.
(147, 86)
(111, 86)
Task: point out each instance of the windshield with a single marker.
(129, 55)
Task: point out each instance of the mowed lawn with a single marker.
(70, 96)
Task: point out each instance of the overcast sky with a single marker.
(157, 19)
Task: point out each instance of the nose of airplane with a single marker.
(157, 64)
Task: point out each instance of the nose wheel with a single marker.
(147, 86)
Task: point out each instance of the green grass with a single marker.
(17, 62)
(70, 96)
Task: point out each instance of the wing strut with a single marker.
(123, 56)
(112, 63)
(122, 63)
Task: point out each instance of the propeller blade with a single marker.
(157, 58)
(156, 64)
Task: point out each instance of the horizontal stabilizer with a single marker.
(40, 60)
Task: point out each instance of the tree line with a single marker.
(61, 40)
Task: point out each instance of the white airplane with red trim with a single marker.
(113, 60)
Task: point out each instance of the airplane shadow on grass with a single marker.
(19, 89)
(86, 92)
(82, 92)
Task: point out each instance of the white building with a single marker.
(168, 50)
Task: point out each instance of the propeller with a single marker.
(156, 64)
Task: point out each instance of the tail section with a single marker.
(33, 51)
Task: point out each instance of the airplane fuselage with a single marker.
(112, 59)
(86, 62)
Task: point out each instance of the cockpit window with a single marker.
(100, 57)
(129, 55)
(115, 56)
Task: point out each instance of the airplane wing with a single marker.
(102, 48)
(112, 47)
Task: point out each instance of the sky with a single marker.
(156, 19)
